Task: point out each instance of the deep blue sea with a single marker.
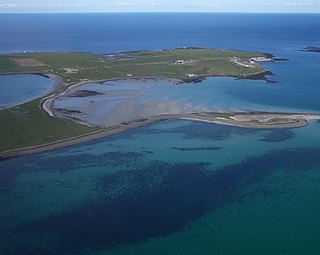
(175, 187)
(123, 32)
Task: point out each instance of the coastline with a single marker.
(46, 102)
(60, 87)
(256, 120)
(112, 130)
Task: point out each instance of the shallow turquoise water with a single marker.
(129, 99)
(20, 88)
(176, 187)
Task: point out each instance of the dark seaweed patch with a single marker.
(69, 112)
(11, 169)
(277, 135)
(84, 93)
(63, 163)
(196, 148)
(145, 210)
(147, 152)
(157, 200)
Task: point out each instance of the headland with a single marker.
(34, 126)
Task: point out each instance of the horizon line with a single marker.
(146, 12)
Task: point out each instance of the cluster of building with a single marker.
(181, 61)
(237, 60)
(261, 59)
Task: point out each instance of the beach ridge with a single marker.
(257, 120)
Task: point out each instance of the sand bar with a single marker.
(258, 120)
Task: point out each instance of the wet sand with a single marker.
(123, 119)
(256, 120)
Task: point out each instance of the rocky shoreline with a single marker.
(311, 49)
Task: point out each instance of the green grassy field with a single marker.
(205, 62)
(27, 125)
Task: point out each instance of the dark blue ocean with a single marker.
(122, 32)
(175, 187)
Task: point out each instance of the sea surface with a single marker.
(175, 187)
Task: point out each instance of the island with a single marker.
(41, 124)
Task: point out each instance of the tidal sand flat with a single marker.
(119, 101)
(114, 102)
